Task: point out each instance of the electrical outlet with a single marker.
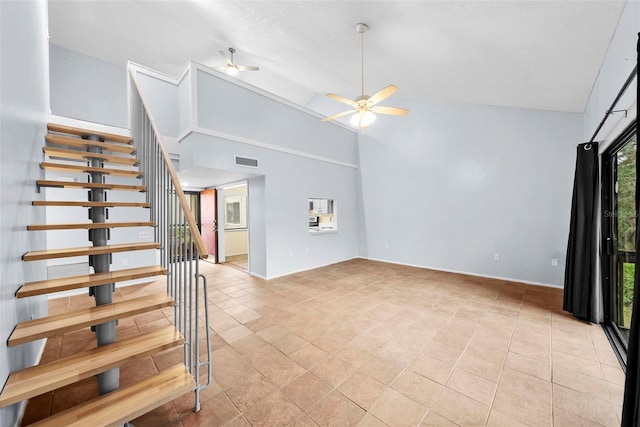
(554, 262)
(386, 245)
(125, 261)
(290, 253)
(496, 257)
(144, 234)
(306, 251)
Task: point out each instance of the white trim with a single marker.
(525, 282)
(325, 231)
(264, 93)
(153, 73)
(237, 184)
(307, 269)
(268, 146)
(186, 70)
(185, 134)
(97, 127)
(193, 97)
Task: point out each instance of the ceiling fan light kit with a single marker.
(364, 106)
(232, 68)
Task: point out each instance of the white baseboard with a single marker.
(526, 282)
(306, 269)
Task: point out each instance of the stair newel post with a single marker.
(106, 332)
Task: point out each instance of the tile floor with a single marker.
(239, 261)
(371, 344)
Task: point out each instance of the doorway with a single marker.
(209, 223)
(619, 230)
(236, 226)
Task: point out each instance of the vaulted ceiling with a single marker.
(528, 54)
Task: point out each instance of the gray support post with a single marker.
(106, 332)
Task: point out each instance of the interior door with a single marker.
(619, 230)
(208, 221)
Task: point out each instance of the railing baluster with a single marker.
(181, 245)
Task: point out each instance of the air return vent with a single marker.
(246, 162)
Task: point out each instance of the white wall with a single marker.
(86, 88)
(451, 185)
(24, 84)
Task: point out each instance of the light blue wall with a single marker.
(87, 88)
(184, 99)
(256, 189)
(299, 157)
(618, 63)
(24, 85)
(451, 185)
(279, 239)
(235, 110)
(162, 98)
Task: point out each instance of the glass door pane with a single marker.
(623, 236)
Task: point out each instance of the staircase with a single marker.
(94, 157)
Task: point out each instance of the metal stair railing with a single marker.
(181, 244)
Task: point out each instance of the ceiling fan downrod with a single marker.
(361, 29)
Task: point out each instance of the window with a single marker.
(322, 215)
(235, 212)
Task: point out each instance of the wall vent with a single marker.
(246, 162)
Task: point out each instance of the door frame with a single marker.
(216, 239)
(608, 265)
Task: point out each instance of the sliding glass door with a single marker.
(619, 230)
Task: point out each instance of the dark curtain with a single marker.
(631, 404)
(579, 276)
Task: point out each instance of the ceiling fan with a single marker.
(232, 68)
(364, 106)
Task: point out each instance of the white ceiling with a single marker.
(542, 55)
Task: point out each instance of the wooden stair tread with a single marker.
(88, 204)
(88, 169)
(36, 329)
(42, 287)
(86, 155)
(74, 184)
(126, 404)
(84, 143)
(88, 250)
(89, 225)
(85, 133)
(40, 379)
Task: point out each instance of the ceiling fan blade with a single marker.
(224, 55)
(335, 116)
(342, 99)
(382, 94)
(247, 68)
(394, 111)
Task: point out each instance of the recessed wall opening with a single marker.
(323, 215)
